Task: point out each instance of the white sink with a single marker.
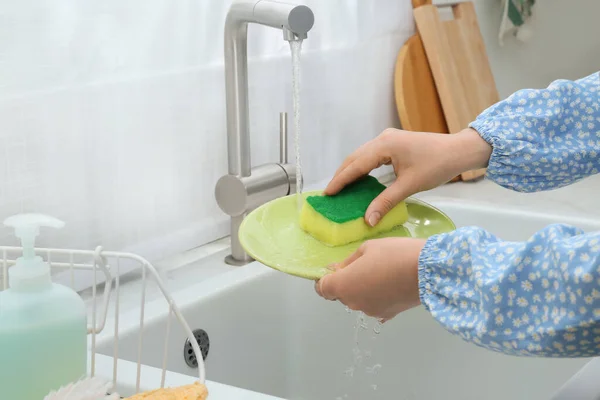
(270, 333)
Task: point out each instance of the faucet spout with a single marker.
(295, 21)
(245, 188)
(293, 37)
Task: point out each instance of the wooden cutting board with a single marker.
(417, 101)
(459, 65)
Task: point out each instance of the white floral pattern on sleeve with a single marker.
(540, 297)
(544, 139)
(535, 298)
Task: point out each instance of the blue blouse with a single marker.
(540, 297)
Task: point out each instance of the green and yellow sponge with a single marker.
(340, 219)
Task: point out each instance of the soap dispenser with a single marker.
(43, 325)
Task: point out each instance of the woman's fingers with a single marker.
(356, 169)
(386, 200)
(327, 287)
(353, 257)
(367, 153)
(355, 154)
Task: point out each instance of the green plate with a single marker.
(271, 235)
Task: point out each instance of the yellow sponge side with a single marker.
(336, 234)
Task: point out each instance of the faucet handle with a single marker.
(283, 148)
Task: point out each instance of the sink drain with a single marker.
(188, 352)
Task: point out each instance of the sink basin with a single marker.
(270, 333)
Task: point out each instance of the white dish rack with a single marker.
(103, 262)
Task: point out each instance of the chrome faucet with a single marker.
(246, 188)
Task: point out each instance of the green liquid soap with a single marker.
(43, 326)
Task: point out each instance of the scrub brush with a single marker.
(85, 389)
(338, 220)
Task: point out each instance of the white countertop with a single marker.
(577, 200)
(150, 376)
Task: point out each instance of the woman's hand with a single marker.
(379, 279)
(421, 161)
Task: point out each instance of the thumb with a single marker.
(326, 287)
(384, 203)
(329, 286)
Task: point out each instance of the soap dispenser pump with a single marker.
(43, 325)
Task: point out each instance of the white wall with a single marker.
(566, 44)
(112, 113)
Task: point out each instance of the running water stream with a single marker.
(359, 356)
(362, 357)
(296, 48)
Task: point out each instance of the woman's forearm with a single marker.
(543, 139)
(469, 151)
(535, 298)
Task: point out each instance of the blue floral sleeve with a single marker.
(543, 139)
(540, 297)
(536, 298)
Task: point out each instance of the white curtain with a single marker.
(112, 113)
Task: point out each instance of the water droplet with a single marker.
(368, 353)
(374, 387)
(348, 310)
(377, 327)
(374, 369)
(349, 372)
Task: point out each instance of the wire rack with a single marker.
(104, 262)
